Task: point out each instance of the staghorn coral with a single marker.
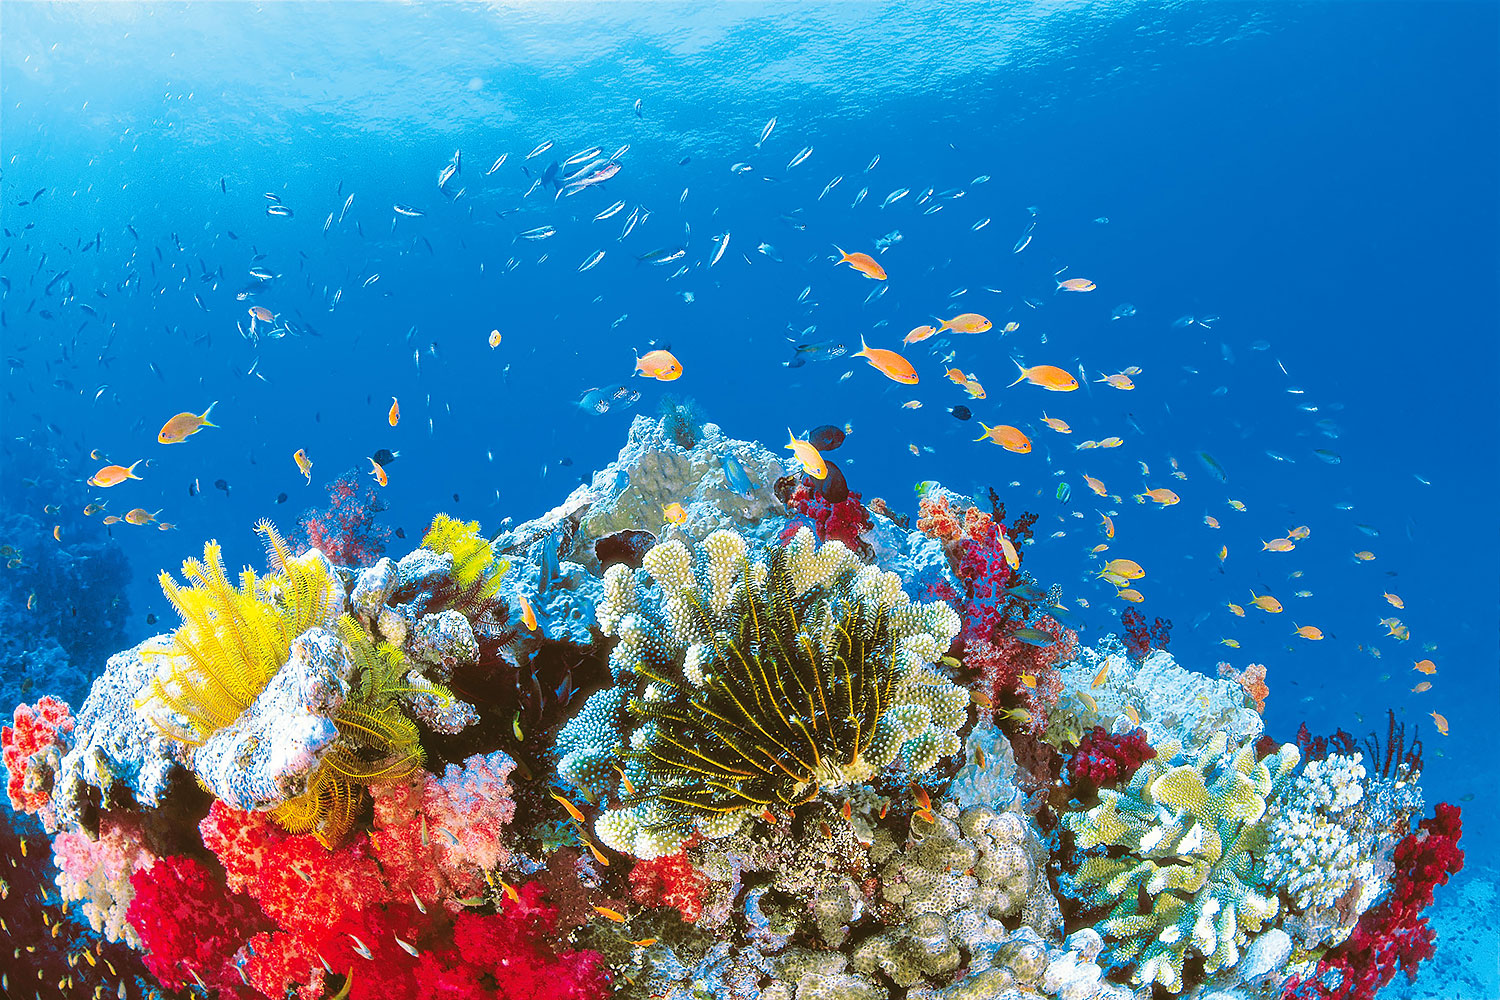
(1180, 833)
(756, 684)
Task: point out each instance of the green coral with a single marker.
(1168, 860)
(755, 684)
(476, 574)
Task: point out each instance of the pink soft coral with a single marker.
(1393, 933)
(670, 880)
(98, 873)
(844, 521)
(345, 531)
(38, 729)
(190, 926)
(1252, 679)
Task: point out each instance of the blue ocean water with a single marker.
(1311, 184)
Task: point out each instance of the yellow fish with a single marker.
(494, 339)
(1309, 631)
(1161, 495)
(1231, 643)
(1425, 667)
(1111, 442)
(1076, 285)
(1223, 552)
(1012, 557)
(1010, 438)
(1128, 568)
(673, 513)
(810, 457)
(1277, 545)
(660, 365)
(1266, 603)
(1108, 524)
(1210, 520)
(1239, 611)
(394, 416)
(1130, 594)
(1237, 505)
(304, 464)
(1364, 556)
(184, 424)
(1300, 532)
(528, 616)
(974, 389)
(1440, 722)
(1095, 485)
(965, 323)
(378, 471)
(1061, 426)
(1120, 381)
(1394, 601)
(113, 475)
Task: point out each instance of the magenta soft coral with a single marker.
(1393, 933)
(190, 925)
(37, 728)
(346, 531)
(1102, 759)
(670, 880)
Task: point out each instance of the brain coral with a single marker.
(754, 683)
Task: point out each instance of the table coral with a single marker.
(757, 682)
(1180, 833)
(37, 729)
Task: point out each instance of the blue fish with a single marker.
(736, 477)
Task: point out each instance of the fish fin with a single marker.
(986, 431)
(204, 417)
(843, 254)
(1022, 377)
(864, 349)
(942, 325)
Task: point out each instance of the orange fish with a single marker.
(1133, 714)
(1425, 667)
(1101, 547)
(570, 807)
(528, 616)
(1047, 376)
(918, 334)
(378, 471)
(1108, 524)
(924, 801)
(890, 364)
(1128, 568)
(165, 525)
(261, 314)
(1120, 381)
(644, 942)
(614, 915)
(304, 464)
(660, 365)
(673, 513)
(1076, 285)
(1008, 437)
(57, 532)
(957, 376)
(1101, 676)
(113, 519)
(810, 457)
(1394, 601)
(1008, 548)
(141, 516)
(1223, 552)
(1422, 686)
(1061, 426)
(1130, 594)
(1440, 722)
(494, 339)
(861, 262)
(1239, 611)
(113, 475)
(1277, 545)
(1095, 485)
(1210, 520)
(394, 417)
(1300, 532)
(1309, 631)
(1266, 603)
(965, 323)
(174, 431)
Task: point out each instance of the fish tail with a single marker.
(130, 472)
(204, 417)
(843, 255)
(942, 325)
(1022, 377)
(986, 431)
(864, 348)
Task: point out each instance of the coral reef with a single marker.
(729, 762)
(756, 683)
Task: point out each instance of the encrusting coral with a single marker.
(754, 684)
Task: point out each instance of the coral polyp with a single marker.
(756, 684)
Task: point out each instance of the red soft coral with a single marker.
(1004, 663)
(1393, 933)
(345, 531)
(844, 521)
(670, 880)
(190, 925)
(1102, 759)
(37, 729)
